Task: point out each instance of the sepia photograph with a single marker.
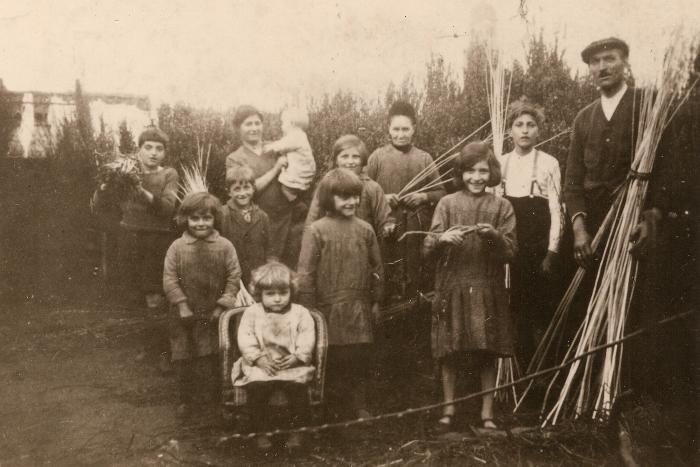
(349, 233)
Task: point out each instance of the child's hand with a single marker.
(216, 313)
(486, 231)
(265, 364)
(388, 229)
(289, 361)
(453, 237)
(184, 310)
(415, 199)
(392, 199)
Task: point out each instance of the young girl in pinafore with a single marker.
(472, 236)
(341, 274)
(201, 278)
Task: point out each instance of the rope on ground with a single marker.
(427, 408)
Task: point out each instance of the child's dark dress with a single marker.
(470, 309)
(341, 273)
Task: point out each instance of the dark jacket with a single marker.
(251, 239)
(600, 155)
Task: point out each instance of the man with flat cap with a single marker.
(602, 149)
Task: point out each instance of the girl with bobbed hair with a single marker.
(341, 274)
(349, 152)
(472, 237)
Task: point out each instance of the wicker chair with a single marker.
(234, 397)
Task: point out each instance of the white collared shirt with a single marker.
(609, 104)
(548, 177)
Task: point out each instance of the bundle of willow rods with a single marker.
(592, 385)
(498, 93)
(194, 174)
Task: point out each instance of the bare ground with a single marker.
(73, 395)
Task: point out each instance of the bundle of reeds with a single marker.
(194, 174)
(592, 385)
(498, 93)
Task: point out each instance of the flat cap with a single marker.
(605, 44)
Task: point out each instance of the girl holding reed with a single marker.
(472, 236)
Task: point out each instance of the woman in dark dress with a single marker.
(286, 218)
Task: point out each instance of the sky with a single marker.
(272, 53)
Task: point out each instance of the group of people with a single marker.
(296, 248)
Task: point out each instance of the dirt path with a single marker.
(73, 395)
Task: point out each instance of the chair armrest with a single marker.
(228, 347)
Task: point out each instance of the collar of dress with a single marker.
(189, 238)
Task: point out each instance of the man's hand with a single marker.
(583, 253)
(644, 237)
(548, 263)
(266, 365)
(392, 199)
(184, 310)
(415, 199)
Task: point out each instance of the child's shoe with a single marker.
(263, 443)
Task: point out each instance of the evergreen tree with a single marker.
(83, 118)
(126, 139)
